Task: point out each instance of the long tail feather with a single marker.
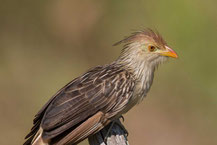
(91, 126)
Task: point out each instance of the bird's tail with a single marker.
(37, 139)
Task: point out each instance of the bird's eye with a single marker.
(151, 48)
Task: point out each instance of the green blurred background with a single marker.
(45, 44)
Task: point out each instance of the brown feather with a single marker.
(136, 36)
(90, 126)
(72, 108)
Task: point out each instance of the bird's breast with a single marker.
(137, 97)
(140, 91)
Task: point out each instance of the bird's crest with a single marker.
(138, 35)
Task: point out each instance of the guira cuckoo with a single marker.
(91, 101)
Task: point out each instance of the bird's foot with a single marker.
(107, 134)
(117, 122)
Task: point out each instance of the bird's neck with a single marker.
(142, 70)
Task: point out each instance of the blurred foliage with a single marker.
(45, 44)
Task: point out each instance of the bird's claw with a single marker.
(122, 117)
(122, 127)
(119, 124)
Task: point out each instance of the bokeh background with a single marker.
(45, 44)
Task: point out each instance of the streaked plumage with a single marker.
(91, 101)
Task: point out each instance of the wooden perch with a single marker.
(116, 135)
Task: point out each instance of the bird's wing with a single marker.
(90, 97)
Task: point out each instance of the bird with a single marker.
(102, 94)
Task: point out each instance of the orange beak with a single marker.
(169, 52)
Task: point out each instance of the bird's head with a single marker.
(145, 48)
